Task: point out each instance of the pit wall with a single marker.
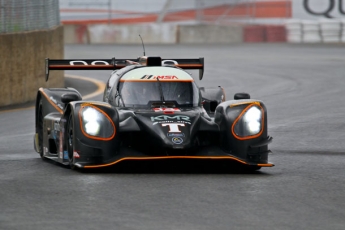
(22, 65)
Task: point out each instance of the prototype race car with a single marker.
(152, 109)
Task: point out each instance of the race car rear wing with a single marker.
(113, 64)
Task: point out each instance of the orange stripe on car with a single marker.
(50, 101)
(266, 165)
(189, 66)
(154, 80)
(176, 157)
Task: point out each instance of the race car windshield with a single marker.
(142, 93)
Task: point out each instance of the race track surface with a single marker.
(303, 87)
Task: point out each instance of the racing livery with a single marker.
(151, 109)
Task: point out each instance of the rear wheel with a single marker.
(70, 141)
(40, 128)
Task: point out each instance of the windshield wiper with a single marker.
(160, 90)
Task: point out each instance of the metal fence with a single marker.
(28, 15)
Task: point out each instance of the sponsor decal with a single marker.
(172, 121)
(329, 7)
(169, 77)
(154, 74)
(175, 134)
(45, 150)
(65, 155)
(60, 155)
(79, 62)
(174, 127)
(166, 110)
(169, 62)
(102, 62)
(177, 140)
(75, 154)
(171, 118)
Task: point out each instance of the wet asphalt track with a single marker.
(303, 87)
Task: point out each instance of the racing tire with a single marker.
(40, 128)
(70, 140)
(253, 168)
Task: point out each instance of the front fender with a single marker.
(89, 149)
(50, 100)
(249, 148)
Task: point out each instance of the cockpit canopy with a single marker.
(141, 86)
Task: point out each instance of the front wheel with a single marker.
(70, 141)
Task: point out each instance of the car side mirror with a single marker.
(239, 96)
(68, 97)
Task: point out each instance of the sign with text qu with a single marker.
(317, 9)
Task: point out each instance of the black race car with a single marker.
(152, 109)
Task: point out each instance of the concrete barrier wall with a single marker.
(315, 31)
(76, 34)
(22, 65)
(211, 34)
(152, 33)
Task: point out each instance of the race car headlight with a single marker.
(96, 124)
(92, 128)
(252, 120)
(249, 123)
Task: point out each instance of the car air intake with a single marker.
(154, 61)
